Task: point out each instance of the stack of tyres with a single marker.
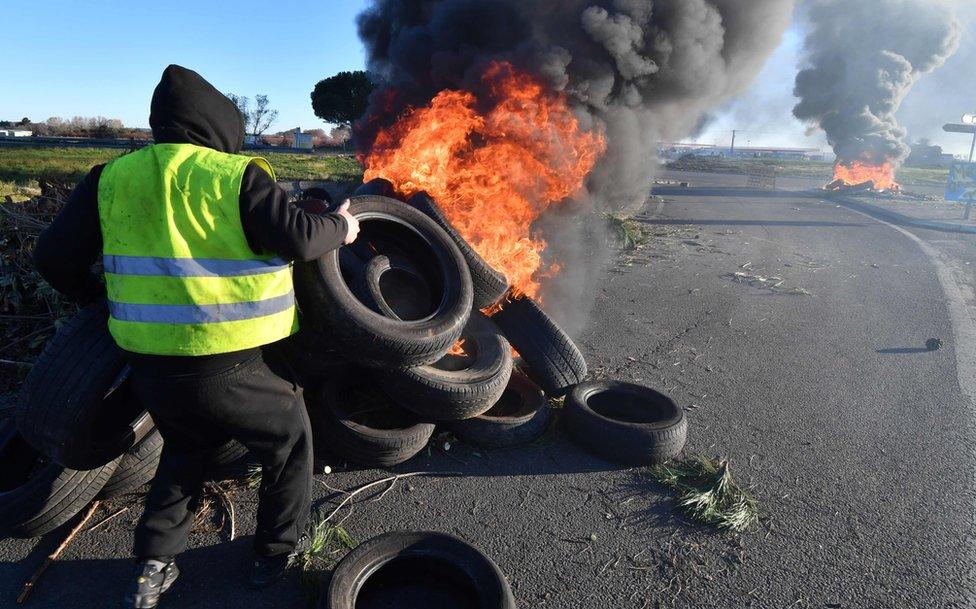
(403, 304)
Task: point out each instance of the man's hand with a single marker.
(351, 222)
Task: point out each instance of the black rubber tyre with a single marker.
(77, 406)
(519, 417)
(136, 468)
(626, 423)
(417, 569)
(551, 358)
(378, 187)
(393, 288)
(356, 421)
(489, 284)
(456, 386)
(311, 354)
(37, 495)
(330, 305)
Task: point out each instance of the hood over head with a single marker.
(186, 109)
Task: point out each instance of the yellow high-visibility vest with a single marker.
(181, 277)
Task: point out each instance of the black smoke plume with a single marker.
(641, 70)
(862, 58)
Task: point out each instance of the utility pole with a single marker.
(732, 149)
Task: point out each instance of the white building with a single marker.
(15, 133)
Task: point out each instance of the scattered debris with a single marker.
(29, 585)
(933, 344)
(707, 493)
(772, 283)
(626, 233)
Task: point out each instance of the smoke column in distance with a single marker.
(862, 58)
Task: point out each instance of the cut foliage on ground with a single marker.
(708, 493)
(625, 233)
(327, 542)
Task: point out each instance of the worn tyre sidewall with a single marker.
(350, 575)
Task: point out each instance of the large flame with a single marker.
(856, 172)
(492, 171)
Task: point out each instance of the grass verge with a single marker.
(21, 166)
(707, 493)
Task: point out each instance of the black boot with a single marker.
(265, 571)
(152, 578)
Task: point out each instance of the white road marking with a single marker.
(961, 302)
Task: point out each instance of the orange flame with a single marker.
(492, 172)
(458, 348)
(858, 172)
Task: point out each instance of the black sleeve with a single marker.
(68, 248)
(273, 224)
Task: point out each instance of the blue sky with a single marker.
(88, 58)
(103, 57)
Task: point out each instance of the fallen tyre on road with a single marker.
(36, 494)
(520, 416)
(489, 284)
(461, 384)
(388, 226)
(551, 358)
(77, 406)
(626, 423)
(355, 420)
(407, 569)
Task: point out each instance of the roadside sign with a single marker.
(955, 128)
(962, 183)
(969, 119)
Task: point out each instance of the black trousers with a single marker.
(197, 413)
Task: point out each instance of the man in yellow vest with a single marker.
(197, 243)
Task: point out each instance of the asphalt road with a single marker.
(856, 440)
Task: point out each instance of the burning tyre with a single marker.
(489, 284)
(77, 406)
(421, 569)
(626, 423)
(460, 385)
(390, 227)
(520, 416)
(551, 358)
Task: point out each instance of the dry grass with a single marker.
(708, 493)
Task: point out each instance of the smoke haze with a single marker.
(860, 61)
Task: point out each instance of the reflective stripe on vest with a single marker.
(181, 276)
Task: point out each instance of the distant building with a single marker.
(15, 133)
(680, 149)
(302, 141)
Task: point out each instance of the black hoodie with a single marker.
(185, 109)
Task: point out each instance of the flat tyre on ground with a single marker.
(626, 423)
(417, 569)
